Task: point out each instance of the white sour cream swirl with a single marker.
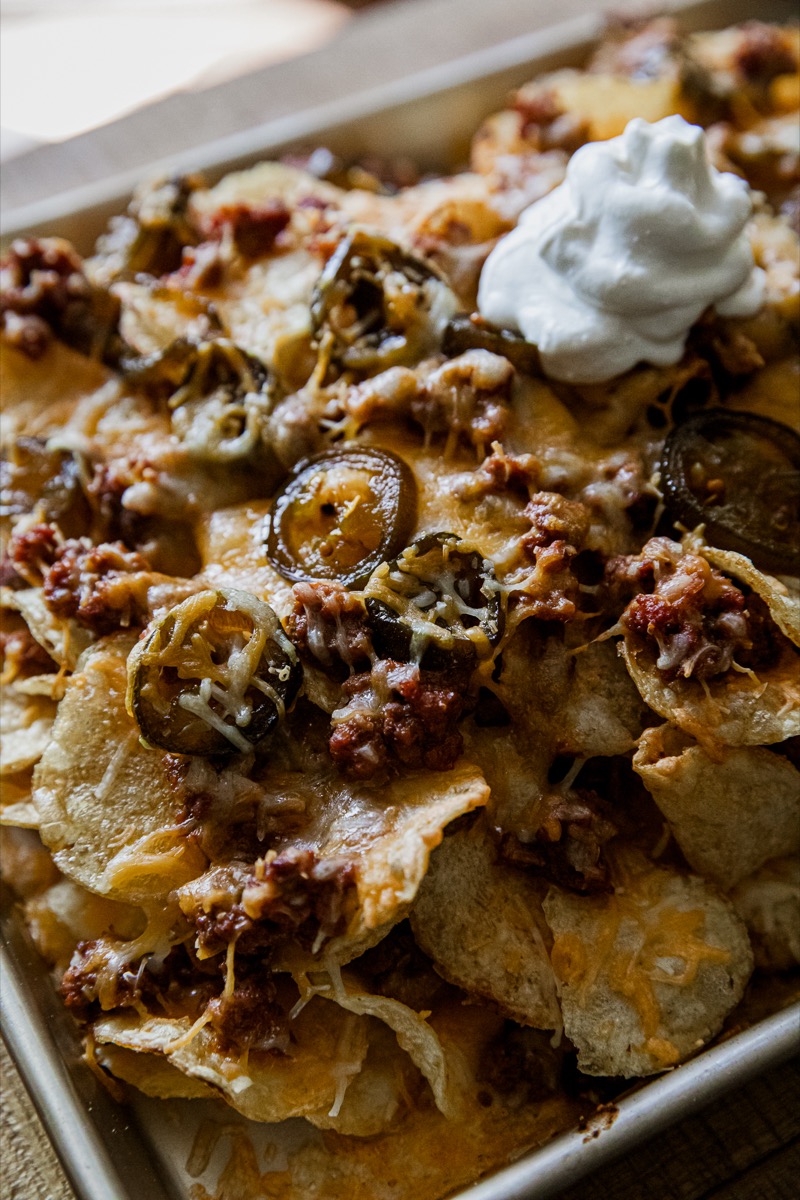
(614, 266)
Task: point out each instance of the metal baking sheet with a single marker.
(139, 1151)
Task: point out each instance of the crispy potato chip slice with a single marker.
(769, 904)
(16, 806)
(64, 641)
(108, 809)
(730, 813)
(426, 1154)
(562, 702)
(648, 974)
(388, 836)
(414, 1035)
(67, 913)
(152, 1074)
(40, 395)
(27, 867)
(580, 701)
(483, 926)
(328, 1046)
(738, 709)
(782, 596)
(375, 1096)
(26, 724)
(602, 713)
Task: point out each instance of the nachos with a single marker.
(394, 734)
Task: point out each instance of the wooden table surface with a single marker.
(747, 1145)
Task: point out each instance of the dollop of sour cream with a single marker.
(614, 266)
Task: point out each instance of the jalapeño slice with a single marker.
(340, 514)
(213, 676)
(473, 332)
(739, 475)
(438, 603)
(382, 305)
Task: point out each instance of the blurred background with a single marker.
(104, 58)
(92, 90)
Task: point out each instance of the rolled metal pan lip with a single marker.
(99, 1144)
(105, 1152)
(647, 1110)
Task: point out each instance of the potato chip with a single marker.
(328, 1045)
(27, 867)
(425, 1154)
(66, 914)
(152, 1074)
(738, 709)
(64, 641)
(40, 395)
(414, 1035)
(388, 837)
(729, 813)
(483, 926)
(648, 974)
(781, 596)
(769, 904)
(16, 806)
(108, 809)
(26, 724)
(376, 1094)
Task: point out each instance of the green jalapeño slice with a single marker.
(213, 676)
(341, 514)
(438, 603)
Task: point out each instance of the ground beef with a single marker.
(290, 896)
(466, 399)
(44, 293)
(250, 1018)
(625, 576)
(763, 54)
(551, 591)
(253, 228)
(178, 983)
(499, 473)
(29, 555)
(328, 624)
(567, 848)
(394, 715)
(554, 518)
(700, 621)
(521, 1064)
(98, 586)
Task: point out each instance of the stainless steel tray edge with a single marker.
(104, 1157)
(397, 114)
(650, 1109)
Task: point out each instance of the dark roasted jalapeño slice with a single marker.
(438, 603)
(380, 304)
(341, 514)
(213, 676)
(473, 332)
(739, 475)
